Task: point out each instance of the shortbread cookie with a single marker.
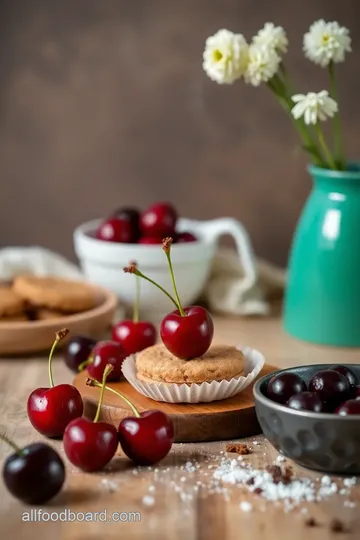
(55, 293)
(157, 364)
(10, 302)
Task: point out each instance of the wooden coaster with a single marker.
(231, 418)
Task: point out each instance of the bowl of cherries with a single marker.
(105, 246)
(312, 415)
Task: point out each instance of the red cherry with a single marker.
(104, 353)
(186, 237)
(148, 240)
(77, 351)
(349, 407)
(51, 409)
(146, 439)
(187, 336)
(91, 445)
(117, 230)
(134, 336)
(159, 220)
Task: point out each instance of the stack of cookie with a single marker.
(31, 298)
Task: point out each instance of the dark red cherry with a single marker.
(307, 401)
(146, 439)
(349, 374)
(281, 387)
(77, 351)
(349, 407)
(187, 336)
(159, 220)
(186, 237)
(131, 219)
(332, 386)
(34, 474)
(106, 352)
(116, 230)
(134, 336)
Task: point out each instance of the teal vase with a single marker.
(322, 301)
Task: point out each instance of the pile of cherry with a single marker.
(36, 473)
(129, 226)
(334, 390)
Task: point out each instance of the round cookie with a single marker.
(157, 364)
(10, 302)
(55, 293)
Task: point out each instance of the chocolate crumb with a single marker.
(338, 526)
(239, 448)
(311, 522)
(258, 491)
(250, 482)
(278, 475)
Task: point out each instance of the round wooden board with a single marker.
(220, 420)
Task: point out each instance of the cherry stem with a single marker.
(85, 363)
(119, 394)
(108, 369)
(58, 337)
(137, 272)
(166, 247)
(14, 446)
(137, 301)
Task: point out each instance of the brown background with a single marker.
(105, 103)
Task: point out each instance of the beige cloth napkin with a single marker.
(225, 292)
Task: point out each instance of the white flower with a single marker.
(262, 65)
(314, 106)
(273, 37)
(225, 56)
(326, 42)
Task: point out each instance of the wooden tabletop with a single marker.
(170, 505)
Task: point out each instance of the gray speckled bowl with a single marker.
(325, 442)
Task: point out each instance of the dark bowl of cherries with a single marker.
(312, 415)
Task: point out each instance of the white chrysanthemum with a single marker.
(225, 56)
(262, 65)
(314, 106)
(326, 42)
(273, 37)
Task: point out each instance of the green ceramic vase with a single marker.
(322, 301)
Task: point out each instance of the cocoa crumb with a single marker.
(258, 491)
(250, 482)
(338, 526)
(239, 448)
(311, 522)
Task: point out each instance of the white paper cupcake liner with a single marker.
(197, 393)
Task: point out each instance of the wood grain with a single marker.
(208, 516)
(231, 418)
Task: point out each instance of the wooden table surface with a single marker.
(170, 505)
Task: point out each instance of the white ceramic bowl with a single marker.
(103, 262)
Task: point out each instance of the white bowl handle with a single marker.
(213, 229)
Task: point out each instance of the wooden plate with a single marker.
(220, 420)
(35, 336)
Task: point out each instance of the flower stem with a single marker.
(120, 395)
(278, 88)
(167, 248)
(339, 152)
(133, 270)
(324, 146)
(14, 446)
(108, 369)
(137, 300)
(58, 337)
